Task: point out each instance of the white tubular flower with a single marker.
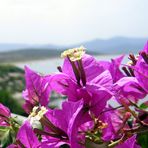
(36, 114)
(129, 63)
(74, 54)
(42, 111)
(33, 113)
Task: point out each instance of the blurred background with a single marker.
(35, 32)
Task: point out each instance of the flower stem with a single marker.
(75, 70)
(133, 113)
(82, 72)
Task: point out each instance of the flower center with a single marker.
(74, 54)
(36, 114)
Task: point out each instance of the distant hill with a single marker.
(27, 55)
(117, 45)
(109, 46)
(24, 52)
(30, 54)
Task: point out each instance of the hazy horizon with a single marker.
(58, 44)
(69, 22)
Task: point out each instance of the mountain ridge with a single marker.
(116, 45)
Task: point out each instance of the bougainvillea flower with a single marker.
(141, 73)
(63, 125)
(91, 67)
(4, 115)
(95, 93)
(113, 67)
(83, 79)
(128, 88)
(129, 143)
(141, 68)
(87, 67)
(86, 118)
(114, 121)
(37, 90)
(26, 138)
(117, 121)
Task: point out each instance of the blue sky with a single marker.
(71, 21)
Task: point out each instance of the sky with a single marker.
(71, 21)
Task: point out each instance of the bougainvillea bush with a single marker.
(105, 105)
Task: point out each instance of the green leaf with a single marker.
(3, 129)
(143, 106)
(6, 136)
(90, 144)
(143, 140)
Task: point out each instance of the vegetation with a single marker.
(11, 85)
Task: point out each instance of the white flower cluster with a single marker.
(74, 54)
(36, 114)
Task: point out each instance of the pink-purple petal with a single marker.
(129, 143)
(27, 137)
(37, 88)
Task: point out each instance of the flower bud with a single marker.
(127, 115)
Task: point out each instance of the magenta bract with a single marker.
(129, 143)
(101, 105)
(66, 122)
(4, 115)
(37, 90)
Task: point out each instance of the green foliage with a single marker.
(143, 106)
(11, 78)
(7, 136)
(11, 85)
(5, 69)
(7, 100)
(143, 140)
(8, 133)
